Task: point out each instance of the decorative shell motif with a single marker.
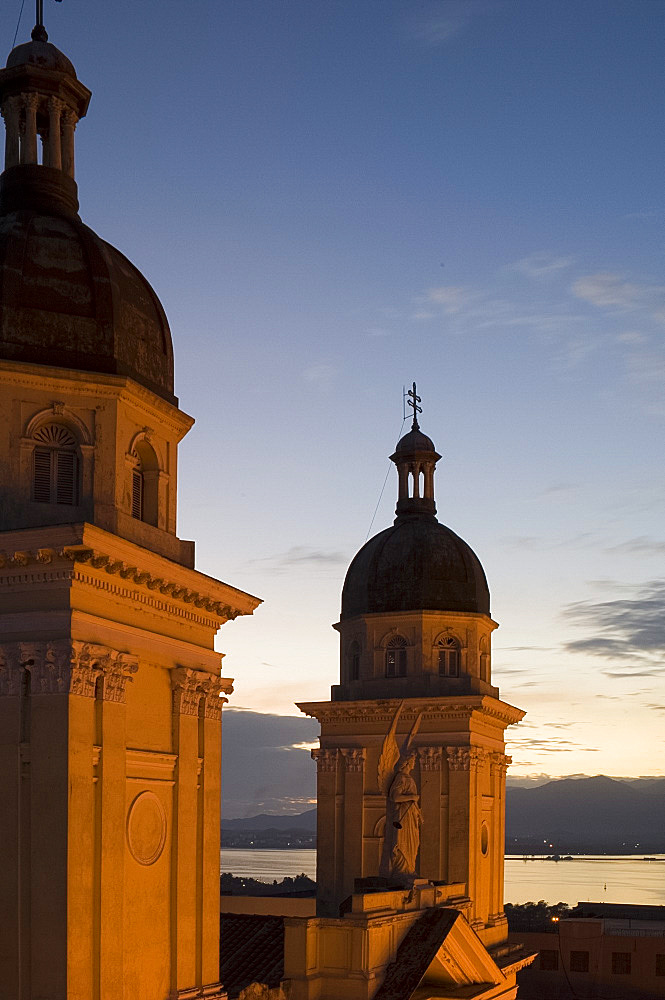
(55, 435)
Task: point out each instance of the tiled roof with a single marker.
(251, 951)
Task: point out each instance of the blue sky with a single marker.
(335, 197)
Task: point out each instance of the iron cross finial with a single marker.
(413, 401)
(39, 32)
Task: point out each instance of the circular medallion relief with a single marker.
(146, 828)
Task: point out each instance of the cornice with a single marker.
(119, 568)
(97, 384)
(341, 712)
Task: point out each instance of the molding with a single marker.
(150, 765)
(120, 388)
(69, 564)
(57, 413)
(432, 709)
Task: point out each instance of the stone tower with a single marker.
(110, 688)
(415, 661)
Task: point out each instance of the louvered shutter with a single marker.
(41, 480)
(66, 478)
(137, 494)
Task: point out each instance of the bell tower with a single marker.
(412, 763)
(110, 687)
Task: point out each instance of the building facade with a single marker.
(110, 687)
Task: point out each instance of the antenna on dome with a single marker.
(413, 401)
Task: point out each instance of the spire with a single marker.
(41, 101)
(415, 457)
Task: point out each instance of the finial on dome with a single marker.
(413, 401)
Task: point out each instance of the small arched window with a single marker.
(353, 660)
(55, 466)
(449, 656)
(145, 483)
(396, 656)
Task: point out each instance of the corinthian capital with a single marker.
(500, 762)
(193, 687)
(326, 759)
(354, 758)
(430, 758)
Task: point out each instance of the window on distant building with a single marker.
(621, 963)
(449, 656)
(55, 466)
(660, 965)
(579, 961)
(396, 657)
(549, 960)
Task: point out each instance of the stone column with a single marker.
(430, 804)
(186, 820)
(10, 112)
(69, 121)
(352, 850)
(29, 147)
(54, 158)
(327, 862)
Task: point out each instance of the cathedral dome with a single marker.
(417, 564)
(41, 54)
(67, 298)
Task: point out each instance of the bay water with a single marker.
(596, 878)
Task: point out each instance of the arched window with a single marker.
(353, 661)
(449, 656)
(145, 483)
(55, 466)
(396, 656)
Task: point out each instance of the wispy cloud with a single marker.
(321, 375)
(608, 290)
(451, 298)
(304, 555)
(541, 265)
(642, 545)
(629, 630)
(438, 21)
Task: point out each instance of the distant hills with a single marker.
(586, 815)
(569, 815)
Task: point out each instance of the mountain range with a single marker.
(567, 815)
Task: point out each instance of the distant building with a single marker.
(411, 785)
(611, 951)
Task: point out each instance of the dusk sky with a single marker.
(333, 198)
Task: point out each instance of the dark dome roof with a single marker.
(415, 440)
(69, 299)
(41, 54)
(417, 564)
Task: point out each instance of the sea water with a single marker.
(596, 878)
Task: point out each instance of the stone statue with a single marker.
(403, 816)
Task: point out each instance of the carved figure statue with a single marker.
(403, 816)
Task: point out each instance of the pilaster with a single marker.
(327, 873)
(430, 760)
(354, 781)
